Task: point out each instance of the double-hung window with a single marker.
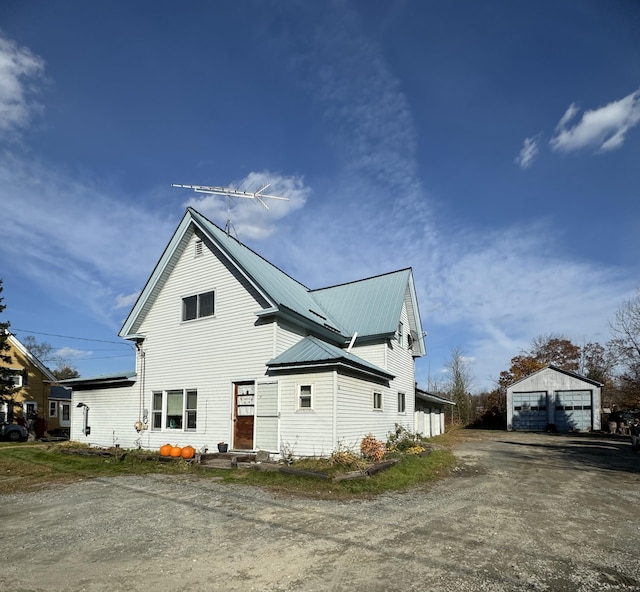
(198, 306)
(53, 409)
(175, 409)
(305, 396)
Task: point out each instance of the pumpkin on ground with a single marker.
(176, 451)
(188, 452)
(165, 450)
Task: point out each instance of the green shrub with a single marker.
(404, 440)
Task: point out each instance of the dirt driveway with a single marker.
(522, 512)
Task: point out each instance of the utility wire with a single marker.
(71, 337)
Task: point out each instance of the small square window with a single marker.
(377, 400)
(305, 392)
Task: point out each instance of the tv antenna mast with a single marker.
(230, 192)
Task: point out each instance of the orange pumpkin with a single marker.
(176, 451)
(165, 450)
(188, 452)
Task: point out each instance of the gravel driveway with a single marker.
(522, 512)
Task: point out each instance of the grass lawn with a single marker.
(32, 466)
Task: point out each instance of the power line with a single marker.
(77, 338)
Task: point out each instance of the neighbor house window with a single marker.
(377, 400)
(53, 408)
(15, 380)
(198, 306)
(305, 393)
(402, 402)
(30, 409)
(175, 409)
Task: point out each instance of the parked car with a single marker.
(13, 432)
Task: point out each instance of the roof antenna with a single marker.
(230, 192)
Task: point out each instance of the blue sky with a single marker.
(493, 147)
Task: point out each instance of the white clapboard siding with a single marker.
(357, 417)
(307, 432)
(112, 416)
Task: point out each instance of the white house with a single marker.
(553, 398)
(231, 349)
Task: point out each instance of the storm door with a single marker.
(244, 410)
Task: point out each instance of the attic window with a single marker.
(197, 251)
(198, 306)
(401, 334)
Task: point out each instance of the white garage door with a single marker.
(530, 411)
(573, 410)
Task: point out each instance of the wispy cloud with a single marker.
(603, 129)
(86, 258)
(20, 71)
(529, 152)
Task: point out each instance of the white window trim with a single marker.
(299, 396)
(53, 405)
(14, 376)
(404, 403)
(373, 401)
(198, 318)
(163, 412)
(26, 403)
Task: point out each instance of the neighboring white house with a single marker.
(231, 349)
(555, 399)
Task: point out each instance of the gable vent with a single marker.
(198, 248)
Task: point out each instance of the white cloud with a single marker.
(529, 152)
(250, 219)
(603, 129)
(70, 353)
(19, 68)
(569, 114)
(126, 300)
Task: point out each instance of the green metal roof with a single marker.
(371, 306)
(280, 288)
(312, 351)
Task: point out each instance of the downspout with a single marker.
(141, 424)
(335, 409)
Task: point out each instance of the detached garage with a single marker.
(554, 398)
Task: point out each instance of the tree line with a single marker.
(615, 364)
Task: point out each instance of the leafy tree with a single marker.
(556, 350)
(6, 385)
(63, 372)
(598, 362)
